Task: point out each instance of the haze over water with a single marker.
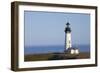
(52, 49)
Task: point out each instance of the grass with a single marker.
(55, 56)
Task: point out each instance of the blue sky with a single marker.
(47, 28)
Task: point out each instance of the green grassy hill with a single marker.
(55, 56)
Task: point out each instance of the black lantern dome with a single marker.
(67, 29)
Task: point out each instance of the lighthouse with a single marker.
(68, 45)
(68, 36)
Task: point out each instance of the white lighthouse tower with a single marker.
(67, 36)
(68, 45)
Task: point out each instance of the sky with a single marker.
(47, 28)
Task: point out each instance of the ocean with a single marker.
(52, 49)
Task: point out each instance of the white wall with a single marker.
(5, 26)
